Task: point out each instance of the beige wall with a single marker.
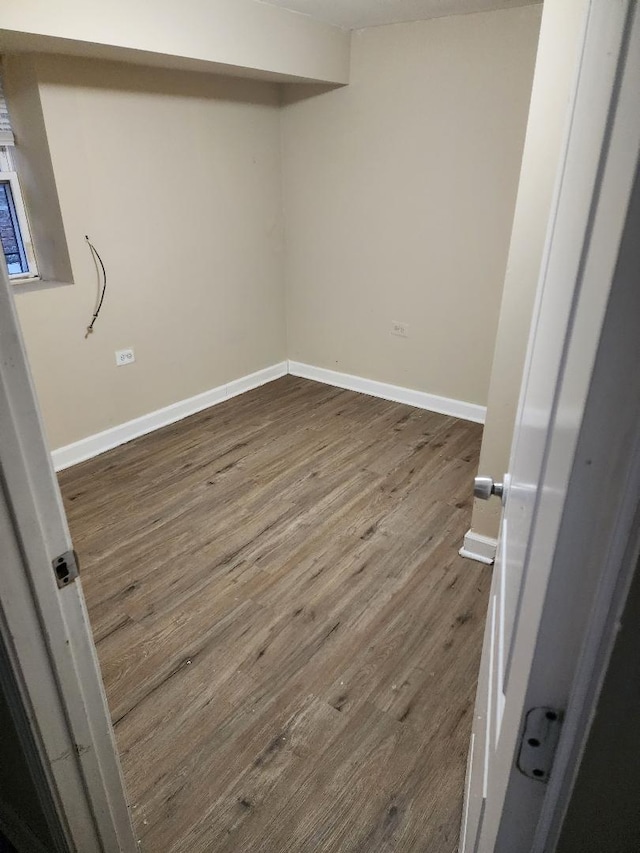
(176, 178)
(237, 36)
(399, 193)
(562, 25)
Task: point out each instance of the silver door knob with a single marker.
(484, 487)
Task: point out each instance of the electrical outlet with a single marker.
(399, 329)
(124, 356)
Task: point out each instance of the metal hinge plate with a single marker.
(539, 741)
(65, 568)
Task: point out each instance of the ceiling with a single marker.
(355, 14)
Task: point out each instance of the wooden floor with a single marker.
(288, 638)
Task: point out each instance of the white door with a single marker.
(46, 647)
(588, 218)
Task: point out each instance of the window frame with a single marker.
(9, 176)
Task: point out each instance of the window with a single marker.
(15, 235)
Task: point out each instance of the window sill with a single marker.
(24, 279)
(28, 284)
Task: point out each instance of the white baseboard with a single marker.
(93, 445)
(478, 547)
(396, 393)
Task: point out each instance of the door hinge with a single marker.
(539, 742)
(65, 568)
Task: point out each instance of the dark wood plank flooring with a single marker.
(288, 638)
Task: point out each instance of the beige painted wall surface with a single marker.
(176, 178)
(399, 193)
(251, 37)
(560, 38)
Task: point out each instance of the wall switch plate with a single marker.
(124, 356)
(399, 329)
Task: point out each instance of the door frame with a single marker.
(584, 541)
(599, 541)
(45, 630)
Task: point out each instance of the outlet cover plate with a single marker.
(124, 356)
(401, 330)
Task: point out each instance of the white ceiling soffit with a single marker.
(356, 14)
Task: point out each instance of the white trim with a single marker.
(11, 178)
(577, 480)
(478, 547)
(396, 393)
(45, 631)
(93, 445)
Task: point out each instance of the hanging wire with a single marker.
(96, 256)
